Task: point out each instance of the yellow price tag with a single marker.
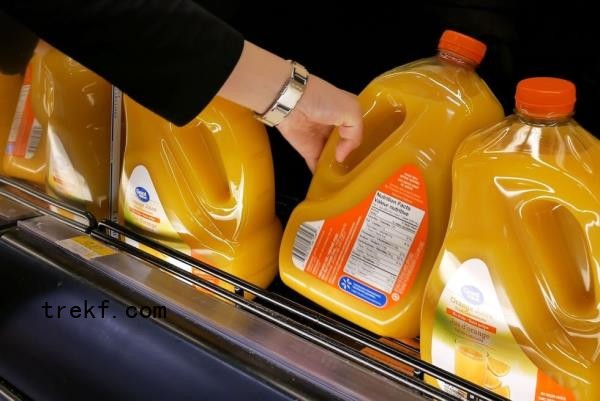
(86, 247)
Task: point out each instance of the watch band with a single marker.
(288, 98)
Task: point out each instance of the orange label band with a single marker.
(372, 251)
(145, 215)
(25, 131)
(549, 390)
(473, 322)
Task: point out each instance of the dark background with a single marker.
(349, 44)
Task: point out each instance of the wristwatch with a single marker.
(288, 98)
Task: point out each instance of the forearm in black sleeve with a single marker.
(172, 56)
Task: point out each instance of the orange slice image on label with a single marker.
(497, 367)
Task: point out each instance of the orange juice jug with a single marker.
(10, 88)
(77, 111)
(513, 302)
(25, 156)
(363, 242)
(205, 189)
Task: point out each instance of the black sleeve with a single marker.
(172, 56)
(16, 46)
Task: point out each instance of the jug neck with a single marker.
(542, 121)
(456, 59)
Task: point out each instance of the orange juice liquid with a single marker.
(524, 243)
(10, 87)
(363, 242)
(206, 189)
(77, 111)
(25, 156)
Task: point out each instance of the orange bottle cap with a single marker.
(462, 45)
(545, 97)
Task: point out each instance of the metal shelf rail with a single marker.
(290, 315)
(47, 199)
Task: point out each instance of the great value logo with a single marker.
(472, 294)
(142, 194)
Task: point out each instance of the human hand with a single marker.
(322, 107)
(257, 79)
(42, 48)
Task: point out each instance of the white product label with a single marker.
(143, 207)
(472, 340)
(62, 175)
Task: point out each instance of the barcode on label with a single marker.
(34, 139)
(458, 393)
(305, 240)
(18, 117)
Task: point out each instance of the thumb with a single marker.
(350, 136)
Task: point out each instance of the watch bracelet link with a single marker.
(288, 96)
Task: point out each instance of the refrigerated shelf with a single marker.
(310, 349)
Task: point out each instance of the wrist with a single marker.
(288, 98)
(257, 78)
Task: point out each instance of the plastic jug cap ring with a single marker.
(545, 97)
(462, 45)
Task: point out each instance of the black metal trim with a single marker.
(106, 231)
(92, 222)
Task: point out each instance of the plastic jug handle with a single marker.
(541, 213)
(585, 225)
(234, 165)
(389, 116)
(589, 224)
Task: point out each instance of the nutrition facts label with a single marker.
(384, 242)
